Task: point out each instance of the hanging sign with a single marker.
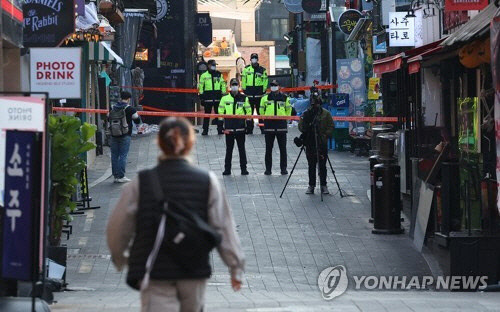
(373, 88)
(401, 30)
(56, 71)
(379, 44)
(47, 23)
(21, 180)
(204, 28)
(311, 6)
(348, 20)
(462, 5)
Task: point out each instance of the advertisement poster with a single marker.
(17, 239)
(351, 80)
(56, 71)
(373, 88)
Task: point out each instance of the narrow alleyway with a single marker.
(287, 241)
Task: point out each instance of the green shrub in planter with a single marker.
(69, 140)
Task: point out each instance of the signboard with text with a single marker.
(56, 71)
(465, 5)
(22, 176)
(401, 30)
(204, 28)
(48, 23)
(348, 20)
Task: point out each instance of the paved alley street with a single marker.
(287, 241)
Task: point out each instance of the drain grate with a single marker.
(88, 256)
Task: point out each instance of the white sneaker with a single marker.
(122, 180)
(324, 189)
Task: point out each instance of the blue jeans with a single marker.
(119, 152)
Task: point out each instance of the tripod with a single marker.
(341, 191)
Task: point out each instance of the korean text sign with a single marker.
(56, 71)
(18, 218)
(401, 30)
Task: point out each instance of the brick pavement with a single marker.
(287, 241)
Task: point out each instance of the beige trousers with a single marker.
(186, 295)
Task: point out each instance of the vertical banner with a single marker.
(351, 80)
(204, 28)
(18, 242)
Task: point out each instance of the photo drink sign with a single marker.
(56, 71)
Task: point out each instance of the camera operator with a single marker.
(316, 125)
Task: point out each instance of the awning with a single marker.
(416, 55)
(102, 52)
(388, 64)
(476, 27)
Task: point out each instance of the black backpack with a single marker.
(184, 234)
(118, 125)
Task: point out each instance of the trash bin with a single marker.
(376, 130)
(387, 200)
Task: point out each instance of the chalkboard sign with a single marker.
(348, 20)
(48, 23)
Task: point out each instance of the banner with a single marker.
(204, 28)
(461, 5)
(374, 88)
(56, 71)
(48, 23)
(18, 242)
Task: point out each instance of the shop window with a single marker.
(279, 27)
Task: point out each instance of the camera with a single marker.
(299, 141)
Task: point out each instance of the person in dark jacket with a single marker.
(317, 125)
(120, 145)
(235, 103)
(135, 222)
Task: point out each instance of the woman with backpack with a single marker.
(173, 214)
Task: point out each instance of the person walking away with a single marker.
(275, 104)
(235, 103)
(254, 83)
(211, 88)
(120, 128)
(316, 120)
(172, 286)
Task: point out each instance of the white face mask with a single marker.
(274, 88)
(212, 67)
(235, 88)
(254, 61)
(301, 96)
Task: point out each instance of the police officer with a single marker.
(254, 84)
(275, 104)
(235, 103)
(211, 87)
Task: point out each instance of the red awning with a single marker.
(388, 64)
(414, 62)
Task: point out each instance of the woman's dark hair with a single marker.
(124, 95)
(176, 136)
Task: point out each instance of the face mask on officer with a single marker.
(235, 88)
(212, 68)
(274, 88)
(254, 60)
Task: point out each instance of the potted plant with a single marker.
(69, 140)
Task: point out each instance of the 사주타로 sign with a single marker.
(401, 30)
(56, 71)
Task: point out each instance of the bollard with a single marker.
(373, 161)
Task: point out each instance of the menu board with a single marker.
(351, 80)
